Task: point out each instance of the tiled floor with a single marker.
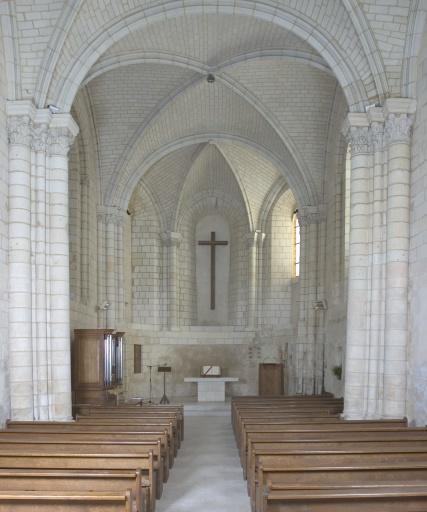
(207, 476)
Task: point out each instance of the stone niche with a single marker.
(204, 228)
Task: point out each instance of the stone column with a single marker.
(260, 284)
(399, 119)
(102, 313)
(61, 135)
(84, 267)
(252, 240)
(358, 274)
(306, 357)
(20, 276)
(110, 266)
(40, 368)
(375, 341)
(110, 270)
(43, 406)
(171, 242)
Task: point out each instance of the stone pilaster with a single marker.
(61, 136)
(358, 305)
(260, 279)
(399, 119)
(377, 325)
(309, 349)
(171, 242)
(40, 368)
(253, 241)
(20, 123)
(84, 244)
(43, 401)
(110, 263)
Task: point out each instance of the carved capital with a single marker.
(39, 139)
(377, 135)
(311, 215)
(19, 130)
(60, 141)
(359, 137)
(398, 128)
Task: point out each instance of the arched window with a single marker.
(297, 244)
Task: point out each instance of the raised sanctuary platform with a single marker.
(211, 389)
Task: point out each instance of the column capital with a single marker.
(398, 128)
(356, 130)
(62, 132)
(171, 239)
(27, 125)
(39, 139)
(19, 130)
(311, 214)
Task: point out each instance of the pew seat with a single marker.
(62, 501)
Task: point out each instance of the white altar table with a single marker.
(211, 389)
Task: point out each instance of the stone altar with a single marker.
(211, 389)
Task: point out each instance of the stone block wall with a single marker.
(147, 276)
(417, 363)
(4, 331)
(278, 263)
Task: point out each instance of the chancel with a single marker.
(233, 192)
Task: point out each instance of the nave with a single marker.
(297, 454)
(207, 474)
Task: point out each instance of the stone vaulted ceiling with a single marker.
(268, 112)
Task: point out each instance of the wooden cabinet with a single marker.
(97, 364)
(270, 381)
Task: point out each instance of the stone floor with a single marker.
(207, 476)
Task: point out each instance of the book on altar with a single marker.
(210, 371)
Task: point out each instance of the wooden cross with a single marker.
(213, 243)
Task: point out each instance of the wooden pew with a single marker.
(176, 410)
(78, 461)
(122, 438)
(262, 443)
(92, 448)
(135, 421)
(315, 426)
(59, 501)
(41, 426)
(142, 417)
(78, 481)
(272, 465)
(409, 497)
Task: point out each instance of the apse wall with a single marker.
(4, 371)
(417, 364)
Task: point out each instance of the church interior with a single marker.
(213, 201)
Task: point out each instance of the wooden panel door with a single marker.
(270, 379)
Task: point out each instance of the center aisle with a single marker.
(207, 475)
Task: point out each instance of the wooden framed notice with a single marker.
(137, 358)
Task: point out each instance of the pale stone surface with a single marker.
(211, 389)
(207, 474)
(163, 148)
